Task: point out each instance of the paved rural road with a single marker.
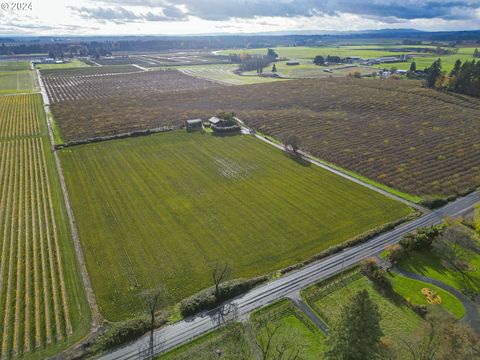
(183, 331)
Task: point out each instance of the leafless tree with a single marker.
(272, 348)
(220, 271)
(154, 299)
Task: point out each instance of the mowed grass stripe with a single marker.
(159, 209)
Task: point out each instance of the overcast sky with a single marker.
(157, 17)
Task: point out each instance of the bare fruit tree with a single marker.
(220, 271)
(153, 300)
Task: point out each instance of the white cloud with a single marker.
(157, 17)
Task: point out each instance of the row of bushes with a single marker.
(352, 242)
(226, 129)
(421, 239)
(117, 136)
(207, 299)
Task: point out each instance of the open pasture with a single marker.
(417, 140)
(61, 88)
(14, 65)
(22, 81)
(161, 208)
(41, 296)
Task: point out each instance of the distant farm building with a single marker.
(293, 62)
(194, 124)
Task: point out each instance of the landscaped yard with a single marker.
(224, 343)
(412, 290)
(161, 208)
(295, 330)
(398, 320)
(428, 264)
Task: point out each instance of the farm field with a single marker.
(416, 140)
(306, 54)
(204, 197)
(22, 81)
(62, 88)
(90, 71)
(74, 63)
(14, 65)
(224, 73)
(42, 300)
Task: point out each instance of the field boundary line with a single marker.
(96, 317)
(308, 157)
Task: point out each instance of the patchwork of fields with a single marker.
(41, 296)
(204, 197)
(417, 140)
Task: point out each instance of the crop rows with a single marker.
(414, 139)
(65, 88)
(90, 71)
(19, 116)
(34, 309)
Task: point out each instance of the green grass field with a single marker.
(295, 329)
(75, 63)
(23, 81)
(398, 320)
(159, 209)
(14, 65)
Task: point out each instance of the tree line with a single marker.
(464, 77)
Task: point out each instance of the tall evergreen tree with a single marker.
(433, 73)
(356, 336)
(456, 68)
(476, 54)
(413, 66)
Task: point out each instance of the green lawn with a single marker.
(160, 208)
(411, 290)
(224, 343)
(398, 320)
(75, 63)
(428, 264)
(294, 329)
(18, 82)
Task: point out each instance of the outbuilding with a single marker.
(293, 62)
(214, 120)
(194, 124)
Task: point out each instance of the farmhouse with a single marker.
(194, 124)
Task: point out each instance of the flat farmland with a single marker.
(22, 81)
(43, 307)
(63, 88)
(89, 70)
(161, 208)
(416, 140)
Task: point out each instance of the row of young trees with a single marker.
(464, 77)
